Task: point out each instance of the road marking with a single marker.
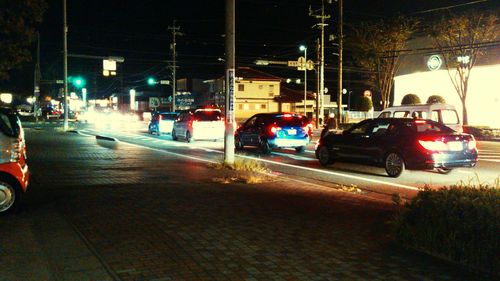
(490, 160)
(279, 164)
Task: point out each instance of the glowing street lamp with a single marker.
(304, 48)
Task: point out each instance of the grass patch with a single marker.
(247, 171)
(460, 223)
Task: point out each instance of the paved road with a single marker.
(100, 210)
(370, 179)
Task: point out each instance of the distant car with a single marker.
(14, 174)
(398, 144)
(202, 124)
(440, 112)
(274, 130)
(51, 112)
(162, 122)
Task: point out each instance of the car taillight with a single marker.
(433, 145)
(274, 129)
(472, 144)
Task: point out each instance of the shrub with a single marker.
(460, 223)
(364, 103)
(436, 99)
(410, 99)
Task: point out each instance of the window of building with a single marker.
(263, 106)
(246, 106)
(261, 87)
(240, 106)
(241, 87)
(271, 90)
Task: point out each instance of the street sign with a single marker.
(293, 63)
(165, 82)
(230, 95)
(154, 102)
(59, 81)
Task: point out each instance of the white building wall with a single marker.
(483, 97)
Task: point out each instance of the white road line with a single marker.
(490, 160)
(279, 164)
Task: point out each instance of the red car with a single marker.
(14, 174)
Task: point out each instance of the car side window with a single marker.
(399, 114)
(435, 115)
(380, 128)
(360, 129)
(385, 114)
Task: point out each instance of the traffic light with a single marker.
(78, 82)
(151, 81)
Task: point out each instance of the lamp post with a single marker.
(304, 48)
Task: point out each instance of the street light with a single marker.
(304, 48)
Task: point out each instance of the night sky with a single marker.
(138, 31)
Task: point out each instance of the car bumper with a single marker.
(283, 142)
(208, 134)
(445, 160)
(18, 171)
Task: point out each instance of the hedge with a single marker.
(460, 223)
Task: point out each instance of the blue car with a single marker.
(274, 130)
(162, 122)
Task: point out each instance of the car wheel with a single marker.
(237, 143)
(10, 196)
(188, 137)
(444, 171)
(158, 132)
(394, 164)
(150, 130)
(324, 156)
(300, 149)
(264, 146)
(174, 135)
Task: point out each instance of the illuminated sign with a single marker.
(434, 62)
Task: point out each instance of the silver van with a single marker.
(440, 112)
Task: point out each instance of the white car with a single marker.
(202, 124)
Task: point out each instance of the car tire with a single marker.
(264, 146)
(10, 196)
(394, 164)
(158, 133)
(189, 139)
(444, 171)
(237, 143)
(174, 135)
(324, 156)
(300, 149)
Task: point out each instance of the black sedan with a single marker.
(398, 144)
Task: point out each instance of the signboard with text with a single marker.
(230, 96)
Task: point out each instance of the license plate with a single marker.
(455, 146)
(292, 132)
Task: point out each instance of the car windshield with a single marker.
(168, 116)
(208, 115)
(281, 120)
(9, 124)
(428, 127)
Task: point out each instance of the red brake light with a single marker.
(420, 121)
(433, 145)
(274, 129)
(287, 115)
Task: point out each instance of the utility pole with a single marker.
(230, 83)
(318, 83)
(175, 31)
(65, 54)
(321, 91)
(38, 77)
(341, 39)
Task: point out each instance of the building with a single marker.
(424, 74)
(258, 92)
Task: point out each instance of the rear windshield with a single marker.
(208, 115)
(9, 124)
(168, 116)
(428, 127)
(289, 121)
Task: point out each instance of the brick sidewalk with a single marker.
(149, 216)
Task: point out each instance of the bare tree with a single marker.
(462, 39)
(377, 46)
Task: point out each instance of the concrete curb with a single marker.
(99, 137)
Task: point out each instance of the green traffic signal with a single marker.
(151, 81)
(78, 82)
